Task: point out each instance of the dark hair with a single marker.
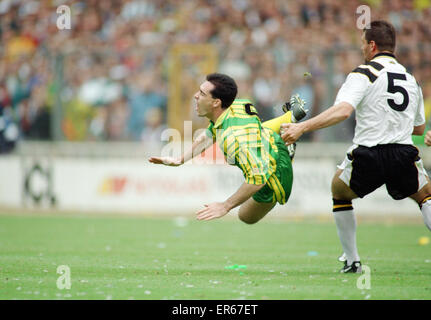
(225, 88)
(382, 33)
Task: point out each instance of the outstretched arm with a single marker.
(202, 142)
(331, 116)
(219, 209)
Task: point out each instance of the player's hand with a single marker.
(167, 161)
(428, 138)
(212, 211)
(290, 132)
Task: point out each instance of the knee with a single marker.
(335, 189)
(247, 220)
(341, 191)
(426, 190)
(423, 195)
(339, 195)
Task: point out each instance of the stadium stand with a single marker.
(106, 79)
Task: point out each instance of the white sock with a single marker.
(346, 228)
(426, 213)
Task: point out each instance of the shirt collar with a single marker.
(221, 118)
(387, 54)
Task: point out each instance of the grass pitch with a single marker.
(146, 258)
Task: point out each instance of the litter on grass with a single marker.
(236, 267)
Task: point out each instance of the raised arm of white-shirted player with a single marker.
(329, 117)
(349, 96)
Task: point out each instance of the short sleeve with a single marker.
(353, 89)
(420, 112)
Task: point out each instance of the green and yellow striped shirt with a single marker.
(245, 143)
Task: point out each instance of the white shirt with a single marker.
(387, 99)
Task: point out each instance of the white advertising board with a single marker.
(136, 186)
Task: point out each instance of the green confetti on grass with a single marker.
(236, 267)
(59, 237)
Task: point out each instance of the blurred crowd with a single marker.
(107, 77)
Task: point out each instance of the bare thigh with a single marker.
(252, 211)
(340, 190)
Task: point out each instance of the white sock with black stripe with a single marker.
(346, 228)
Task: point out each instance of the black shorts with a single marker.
(398, 166)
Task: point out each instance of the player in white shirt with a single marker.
(389, 109)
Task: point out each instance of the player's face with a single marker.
(366, 48)
(204, 100)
